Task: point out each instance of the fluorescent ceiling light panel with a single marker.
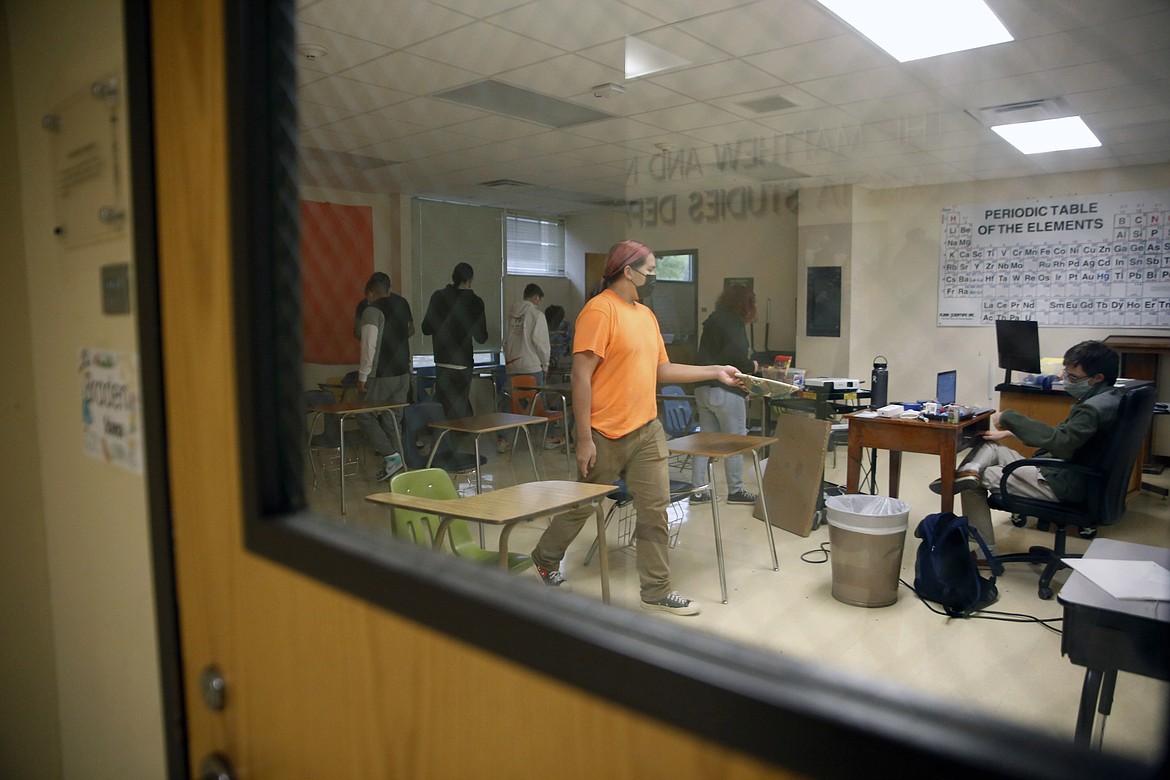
(914, 29)
(644, 58)
(1049, 135)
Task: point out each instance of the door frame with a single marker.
(787, 713)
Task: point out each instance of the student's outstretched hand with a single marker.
(727, 375)
(996, 435)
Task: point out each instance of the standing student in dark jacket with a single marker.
(384, 326)
(454, 317)
(721, 407)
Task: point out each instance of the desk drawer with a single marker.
(1098, 639)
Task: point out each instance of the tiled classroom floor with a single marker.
(1011, 670)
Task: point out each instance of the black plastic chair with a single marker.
(1106, 484)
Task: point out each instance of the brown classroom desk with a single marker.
(509, 506)
(352, 409)
(898, 436)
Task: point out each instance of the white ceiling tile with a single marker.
(316, 115)
(394, 25)
(498, 128)
(485, 49)
(617, 130)
(561, 22)
(341, 52)
(357, 96)
(411, 74)
(729, 77)
(375, 127)
(802, 101)
(763, 26)
(859, 117)
(863, 85)
(685, 117)
(822, 58)
(671, 11)
(562, 76)
(431, 112)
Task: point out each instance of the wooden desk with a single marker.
(478, 425)
(352, 409)
(1107, 635)
(725, 445)
(898, 436)
(511, 505)
(1046, 406)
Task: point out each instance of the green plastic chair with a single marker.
(420, 527)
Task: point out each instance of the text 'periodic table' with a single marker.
(1069, 261)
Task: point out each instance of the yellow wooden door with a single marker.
(320, 684)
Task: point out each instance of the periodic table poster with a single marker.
(1072, 261)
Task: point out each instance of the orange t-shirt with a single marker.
(626, 338)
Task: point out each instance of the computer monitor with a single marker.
(1018, 345)
(945, 388)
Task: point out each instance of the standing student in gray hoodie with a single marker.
(526, 346)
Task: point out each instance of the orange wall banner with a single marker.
(337, 258)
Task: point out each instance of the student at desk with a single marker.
(1090, 369)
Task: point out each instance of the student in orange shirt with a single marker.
(618, 361)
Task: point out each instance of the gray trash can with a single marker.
(866, 537)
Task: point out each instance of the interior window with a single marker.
(521, 139)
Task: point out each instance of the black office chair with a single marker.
(1106, 484)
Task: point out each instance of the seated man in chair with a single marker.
(1090, 369)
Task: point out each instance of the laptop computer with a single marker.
(945, 388)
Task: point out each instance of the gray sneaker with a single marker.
(673, 603)
(391, 465)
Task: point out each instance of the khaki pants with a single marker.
(640, 458)
(988, 458)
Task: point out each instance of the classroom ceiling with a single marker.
(498, 102)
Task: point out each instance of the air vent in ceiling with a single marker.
(522, 104)
(768, 105)
(1021, 111)
(504, 183)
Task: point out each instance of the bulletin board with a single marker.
(1071, 261)
(337, 258)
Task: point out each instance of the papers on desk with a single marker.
(1137, 580)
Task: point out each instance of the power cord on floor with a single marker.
(991, 614)
(822, 550)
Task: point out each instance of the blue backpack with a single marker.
(944, 571)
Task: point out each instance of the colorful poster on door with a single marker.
(1070, 261)
(111, 419)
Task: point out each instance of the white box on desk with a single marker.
(839, 383)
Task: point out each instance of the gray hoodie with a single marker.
(526, 348)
